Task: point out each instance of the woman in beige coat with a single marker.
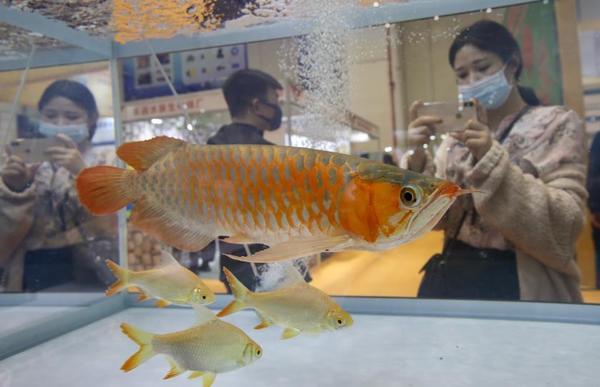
(47, 237)
(515, 239)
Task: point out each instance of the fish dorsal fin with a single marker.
(142, 154)
(166, 259)
(203, 314)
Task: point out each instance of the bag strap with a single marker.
(450, 243)
(508, 129)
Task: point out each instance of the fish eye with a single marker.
(340, 322)
(410, 196)
(204, 297)
(258, 352)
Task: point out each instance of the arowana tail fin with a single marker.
(240, 292)
(122, 278)
(144, 340)
(104, 189)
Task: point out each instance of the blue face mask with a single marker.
(78, 133)
(491, 92)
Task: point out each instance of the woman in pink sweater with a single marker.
(515, 239)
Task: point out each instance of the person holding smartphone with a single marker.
(515, 238)
(44, 229)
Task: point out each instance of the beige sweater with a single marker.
(532, 200)
(30, 220)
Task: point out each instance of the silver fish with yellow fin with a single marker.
(297, 201)
(297, 308)
(170, 283)
(210, 347)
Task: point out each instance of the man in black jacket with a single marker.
(252, 97)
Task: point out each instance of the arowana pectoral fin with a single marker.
(296, 249)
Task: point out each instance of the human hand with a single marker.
(67, 156)
(476, 135)
(16, 175)
(420, 129)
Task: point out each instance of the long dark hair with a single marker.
(75, 92)
(490, 36)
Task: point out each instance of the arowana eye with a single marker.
(410, 196)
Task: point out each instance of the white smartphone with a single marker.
(32, 150)
(454, 115)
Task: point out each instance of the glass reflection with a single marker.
(50, 242)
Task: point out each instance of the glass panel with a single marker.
(329, 103)
(53, 250)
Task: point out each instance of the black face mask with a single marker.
(275, 121)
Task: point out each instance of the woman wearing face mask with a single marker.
(45, 233)
(515, 239)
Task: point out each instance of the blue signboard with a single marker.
(189, 71)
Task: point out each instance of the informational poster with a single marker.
(189, 71)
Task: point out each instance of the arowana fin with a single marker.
(141, 338)
(288, 333)
(175, 369)
(239, 239)
(122, 278)
(240, 292)
(161, 225)
(104, 189)
(296, 249)
(142, 154)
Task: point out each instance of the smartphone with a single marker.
(32, 150)
(454, 115)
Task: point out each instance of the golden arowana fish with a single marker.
(298, 201)
(170, 283)
(210, 347)
(297, 308)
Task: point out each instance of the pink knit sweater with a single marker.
(532, 200)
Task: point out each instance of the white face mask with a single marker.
(78, 132)
(491, 91)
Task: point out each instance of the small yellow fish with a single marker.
(210, 347)
(170, 283)
(298, 201)
(298, 308)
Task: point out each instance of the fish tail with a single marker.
(105, 189)
(141, 338)
(122, 278)
(240, 292)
